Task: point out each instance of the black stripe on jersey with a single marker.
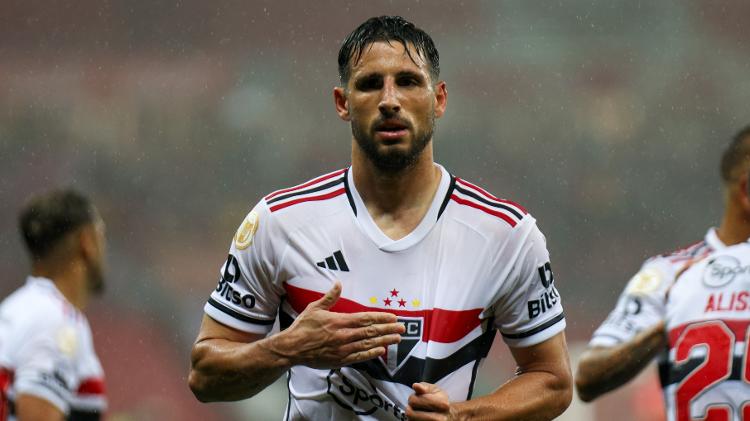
(349, 192)
(671, 374)
(84, 415)
(430, 370)
(535, 330)
(301, 192)
(447, 196)
(289, 394)
(285, 320)
(340, 260)
(238, 315)
(489, 203)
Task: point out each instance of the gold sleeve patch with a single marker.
(67, 341)
(645, 282)
(245, 233)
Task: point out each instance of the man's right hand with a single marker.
(320, 338)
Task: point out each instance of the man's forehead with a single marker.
(393, 51)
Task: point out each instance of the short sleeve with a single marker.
(640, 305)
(529, 310)
(246, 297)
(45, 365)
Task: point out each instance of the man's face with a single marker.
(392, 104)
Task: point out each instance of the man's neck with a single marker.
(396, 201)
(69, 281)
(735, 225)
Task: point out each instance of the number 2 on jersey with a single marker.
(719, 341)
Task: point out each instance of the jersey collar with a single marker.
(382, 241)
(713, 241)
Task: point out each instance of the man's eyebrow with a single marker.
(368, 75)
(409, 73)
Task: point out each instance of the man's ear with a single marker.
(88, 243)
(341, 102)
(441, 99)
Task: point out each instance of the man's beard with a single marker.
(394, 161)
(95, 280)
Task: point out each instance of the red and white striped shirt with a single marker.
(474, 265)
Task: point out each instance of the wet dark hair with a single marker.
(736, 155)
(47, 218)
(387, 28)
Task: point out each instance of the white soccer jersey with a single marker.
(708, 315)
(642, 303)
(46, 350)
(474, 264)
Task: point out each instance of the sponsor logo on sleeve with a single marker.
(545, 302)
(722, 270)
(549, 297)
(546, 275)
(231, 273)
(645, 282)
(245, 233)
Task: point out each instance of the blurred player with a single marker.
(48, 368)
(707, 372)
(390, 277)
(633, 334)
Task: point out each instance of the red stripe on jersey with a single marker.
(738, 327)
(6, 379)
(92, 386)
(440, 325)
(490, 195)
(309, 183)
(309, 199)
(505, 217)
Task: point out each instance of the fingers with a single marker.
(428, 397)
(329, 299)
(363, 355)
(373, 331)
(372, 318)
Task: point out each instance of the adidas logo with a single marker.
(335, 262)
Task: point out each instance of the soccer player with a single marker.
(48, 368)
(706, 375)
(634, 334)
(390, 277)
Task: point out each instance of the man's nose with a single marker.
(389, 101)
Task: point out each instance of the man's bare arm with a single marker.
(33, 408)
(541, 390)
(601, 370)
(228, 364)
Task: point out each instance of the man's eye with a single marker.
(369, 84)
(408, 82)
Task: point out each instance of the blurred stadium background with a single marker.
(605, 118)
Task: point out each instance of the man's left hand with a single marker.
(428, 403)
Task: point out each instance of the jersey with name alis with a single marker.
(474, 264)
(642, 303)
(46, 350)
(707, 374)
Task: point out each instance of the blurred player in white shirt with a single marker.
(634, 333)
(48, 368)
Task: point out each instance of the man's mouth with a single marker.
(392, 129)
